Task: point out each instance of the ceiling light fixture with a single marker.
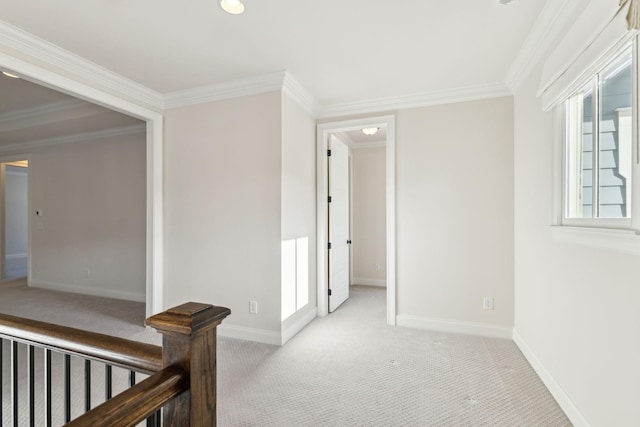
(234, 7)
(507, 2)
(13, 76)
(370, 131)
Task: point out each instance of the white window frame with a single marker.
(617, 234)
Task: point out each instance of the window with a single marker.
(590, 81)
(598, 159)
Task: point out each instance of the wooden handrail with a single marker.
(137, 403)
(183, 371)
(133, 355)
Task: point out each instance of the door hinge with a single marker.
(348, 242)
(329, 292)
(329, 153)
(329, 199)
(329, 245)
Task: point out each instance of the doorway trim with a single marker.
(323, 131)
(154, 162)
(4, 159)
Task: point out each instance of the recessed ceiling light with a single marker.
(370, 131)
(13, 76)
(507, 2)
(234, 7)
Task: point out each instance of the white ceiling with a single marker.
(340, 51)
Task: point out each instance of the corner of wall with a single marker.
(570, 409)
(304, 317)
(290, 328)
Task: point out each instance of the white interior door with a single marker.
(338, 223)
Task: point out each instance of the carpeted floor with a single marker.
(347, 369)
(15, 267)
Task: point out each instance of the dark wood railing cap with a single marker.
(117, 351)
(188, 319)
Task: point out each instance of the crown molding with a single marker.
(285, 82)
(300, 95)
(553, 19)
(425, 99)
(275, 81)
(25, 146)
(38, 50)
(52, 112)
(41, 50)
(232, 89)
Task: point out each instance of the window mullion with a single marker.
(595, 171)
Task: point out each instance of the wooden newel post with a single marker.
(189, 341)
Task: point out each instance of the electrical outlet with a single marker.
(487, 303)
(253, 307)
(376, 267)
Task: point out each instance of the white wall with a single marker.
(577, 313)
(91, 237)
(299, 190)
(455, 216)
(16, 221)
(369, 216)
(222, 209)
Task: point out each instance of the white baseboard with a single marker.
(382, 283)
(573, 413)
(107, 293)
(455, 326)
(267, 337)
(292, 330)
(16, 256)
(249, 334)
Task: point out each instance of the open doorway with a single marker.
(368, 211)
(356, 212)
(15, 224)
(37, 102)
(325, 132)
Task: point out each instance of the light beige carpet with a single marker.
(348, 369)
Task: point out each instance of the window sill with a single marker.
(623, 241)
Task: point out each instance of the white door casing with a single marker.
(322, 139)
(338, 165)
